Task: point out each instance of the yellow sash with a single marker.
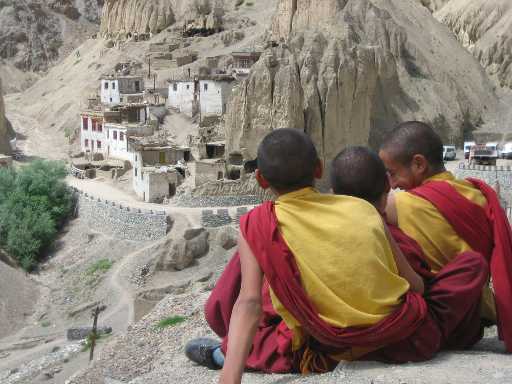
(344, 259)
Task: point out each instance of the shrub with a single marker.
(34, 203)
(170, 321)
(102, 265)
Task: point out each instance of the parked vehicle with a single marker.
(467, 148)
(449, 152)
(494, 146)
(506, 152)
(484, 154)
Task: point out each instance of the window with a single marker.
(86, 144)
(85, 123)
(98, 144)
(115, 135)
(93, 125)
(188, 86)
(121, 136)
(175, 87)
(99, 127)
(135, 172)
(110, 99)
(108, 132)
(205, 87)
(135, 157)
(137, 86)
(113, 85)
(142, 175)
(106, 85)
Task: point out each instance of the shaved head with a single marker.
(414, 138)
(287, 159)
(359, 172)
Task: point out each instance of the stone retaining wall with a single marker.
(121, 221)
(221, 217)
(493, 176)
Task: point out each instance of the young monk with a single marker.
(447, 216)
(332, 273)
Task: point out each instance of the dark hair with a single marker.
(414, 138)
(359, 172)
(287, 159)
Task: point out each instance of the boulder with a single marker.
(181, 253)
(227, 238)
(81, 333)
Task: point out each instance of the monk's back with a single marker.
(340, 247)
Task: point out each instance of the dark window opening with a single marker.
(106, 85)
(85, 123)
(172, 190)
(251, 166)
(215, 151)
(175, 87)
(236, 159)
(220, 175)
(186, 156)
(234, 174)
(137, 86)
(205, 87)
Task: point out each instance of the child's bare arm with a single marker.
(245, 317)
(404, 268)
(391, 214)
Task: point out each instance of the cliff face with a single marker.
(347, 71)
(485, 29)
(136, 16)
(5, 147)
(35, 34)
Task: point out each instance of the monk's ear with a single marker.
(420, 164)
(261, 180)
(319, 169)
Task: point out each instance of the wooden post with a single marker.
(93, 336)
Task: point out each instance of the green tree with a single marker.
(34, 203)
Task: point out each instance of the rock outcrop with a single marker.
(182, 253)
(34, 34)
(485, 29)
(141, 16)
(5, 147)
(347, 71)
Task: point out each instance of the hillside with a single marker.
(485, 29)
(35, 35)
(4, 134)
(347, 71)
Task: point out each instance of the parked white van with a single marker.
(506, 152)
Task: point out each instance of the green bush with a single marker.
(170, 321)
(34, 203)
(102, 265)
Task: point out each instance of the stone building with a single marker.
(117, 89)
(125, 121)
(156, 168)
(93, 136)
(208, 95)
(208, 170)
(243, 61)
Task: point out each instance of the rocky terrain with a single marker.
(5, 134)
(485, 29)
(34, 35)
(347, 71)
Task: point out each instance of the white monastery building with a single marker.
(121, 89)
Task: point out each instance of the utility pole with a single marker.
(94, 334)
(149, 65)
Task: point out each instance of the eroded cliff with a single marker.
(485, 29)
(347, 71)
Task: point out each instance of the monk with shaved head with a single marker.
(448, 217)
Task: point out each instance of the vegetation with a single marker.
(102, 265)
(96, 338)
(170, 321)
(34, 203)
